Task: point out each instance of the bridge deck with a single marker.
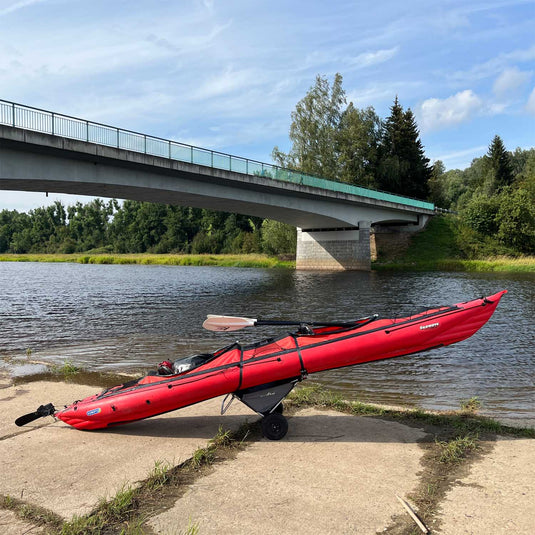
(37, 120)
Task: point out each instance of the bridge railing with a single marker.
(47, 122)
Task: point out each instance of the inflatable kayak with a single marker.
(262, 374)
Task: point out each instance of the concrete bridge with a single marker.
(49, 152)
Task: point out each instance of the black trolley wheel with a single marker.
(274, 426)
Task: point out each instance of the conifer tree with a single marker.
(403, 167)
(500, 164)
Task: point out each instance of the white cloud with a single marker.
(18, 5)
(494, 65)
(530, 106)
(460, 159)
(227, 82)
(372, 58)
(435, 113)
(509, 81)
(382, 92)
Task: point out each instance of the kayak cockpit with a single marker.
(184, 364)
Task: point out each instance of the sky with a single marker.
(226, 75)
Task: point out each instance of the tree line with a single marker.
(339, 142)
(494, 197)
(139, 227)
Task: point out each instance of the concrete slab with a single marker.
(25, 398)
(67, 471)
(11, 525)
(332, 473)
(497, 496)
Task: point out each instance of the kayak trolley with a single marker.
(266, 400)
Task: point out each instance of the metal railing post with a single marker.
(13, 113)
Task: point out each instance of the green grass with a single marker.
(443, 246)
(160, 475)
(31, 513)
(128, 510)
(456, 449)
(192, 529)
(463, 421)
(223, 260)
(471, 405)
(67, 369)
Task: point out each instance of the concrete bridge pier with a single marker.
(334, 249)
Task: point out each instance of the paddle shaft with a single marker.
(312, 323)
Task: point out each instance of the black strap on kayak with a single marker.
(240, 364)
(304, 373)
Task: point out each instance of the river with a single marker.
(119, 318)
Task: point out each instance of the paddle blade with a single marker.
(27, 418)
(43, 410)
(227, 323)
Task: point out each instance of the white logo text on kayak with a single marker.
(429, 326)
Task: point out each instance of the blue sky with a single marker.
(226, 75)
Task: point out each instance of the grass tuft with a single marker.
(67, 369)
(222, 438)
(191, 529)
(456, 449)
(160, 475)
(201, 457)
(470, 406)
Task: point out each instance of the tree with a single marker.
(359, 135)
(314, 130)
(403, 166)
(437, 185)
(88, 223)
(516, 220)
(500, 165)
(278, 238)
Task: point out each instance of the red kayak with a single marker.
(262, 374)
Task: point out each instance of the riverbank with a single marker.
(496, 265)
(445, 246)
(409, 262)
(221, 260)
(194, 471)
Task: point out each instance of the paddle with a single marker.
(235, 323)
(43, 410)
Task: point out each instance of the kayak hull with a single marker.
(236, 369)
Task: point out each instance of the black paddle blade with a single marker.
(43, 410)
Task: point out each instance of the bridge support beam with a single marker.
(346, 249)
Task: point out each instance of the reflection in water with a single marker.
(131, 317)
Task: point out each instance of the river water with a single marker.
(118, 318)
